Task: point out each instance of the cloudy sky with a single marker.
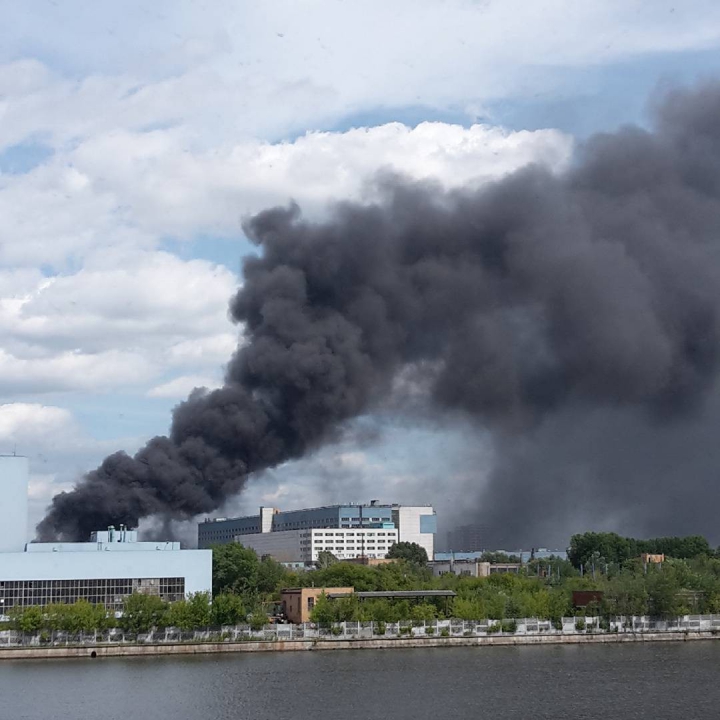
(135, 136)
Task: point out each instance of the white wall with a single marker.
(304, 545)
(347, 544)
(194, 565)
(266, 519)
(409, 526)
(14, 476)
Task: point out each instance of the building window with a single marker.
(107, 592)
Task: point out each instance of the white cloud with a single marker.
(21, 422)
(58, 448)
(111, 326)
(72, 371)
(180, 387)
(126, 190)
(264, 69)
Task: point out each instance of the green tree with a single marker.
(270, 576)
(408, 551)
(600, 548)
(179, 616)
(142, 612)
(235, 569)
(227, 610)
(258, 620)
(663, 589)
(77, 617)
(26, 619)
(323, 612)
(423, 612)
(325, 559)
(200, 610)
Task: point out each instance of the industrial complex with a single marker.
(347, 531)
(104, 570)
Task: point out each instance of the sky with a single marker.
(135, 137)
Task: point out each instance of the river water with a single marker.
(678, 681)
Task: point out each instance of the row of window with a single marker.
(107, 592)
(365, 533)
(365, 519)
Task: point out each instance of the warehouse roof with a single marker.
(398, 594)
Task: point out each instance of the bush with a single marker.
(579, 624)
(429, 630)
(143, 612)
(557, 624)
(258, 620)
(445, 632)
(404, 631)
(336, 630)
(380, 628)
(492, 629)
(509, 626)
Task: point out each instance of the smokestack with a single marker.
(548, 310)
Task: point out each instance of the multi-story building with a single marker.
(306, 545)
(105, 570)
(466, 538)
(348, 531)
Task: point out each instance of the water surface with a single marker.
(678, 681)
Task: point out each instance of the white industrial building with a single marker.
(305, 545)
(105, 570)
(348, 531)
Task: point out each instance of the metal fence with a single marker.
(369, 630)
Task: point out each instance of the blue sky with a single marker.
(134, 137)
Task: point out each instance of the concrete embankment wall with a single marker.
(146, 650)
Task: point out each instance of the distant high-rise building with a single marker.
(466, 538)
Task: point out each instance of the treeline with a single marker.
(141, 613)
(544, 589)
(246, 590)
(607, 548)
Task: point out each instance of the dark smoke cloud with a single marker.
(542, 307)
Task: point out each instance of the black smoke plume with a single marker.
(542, 307)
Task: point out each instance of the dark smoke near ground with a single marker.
(573, 316)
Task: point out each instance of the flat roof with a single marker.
(278, 511)
(398, 594)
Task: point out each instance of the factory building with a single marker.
(305, 545)
(471, 568)
(348, 531)
(104, 571)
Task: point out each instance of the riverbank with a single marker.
(199, 648)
